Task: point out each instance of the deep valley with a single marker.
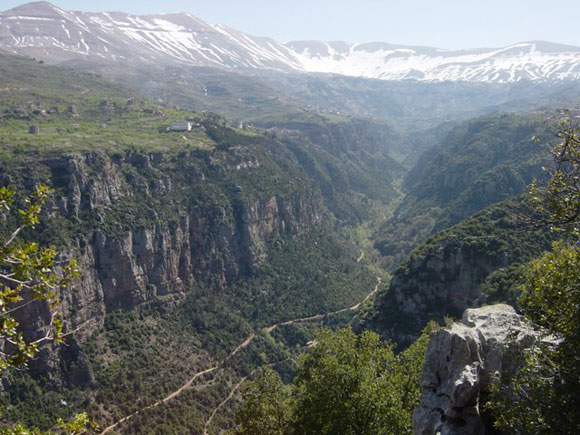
(231, 200)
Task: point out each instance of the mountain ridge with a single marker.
(44, 31)
(535, 60)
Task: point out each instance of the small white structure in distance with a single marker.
(180, 126)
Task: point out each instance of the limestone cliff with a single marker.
(460, 365)
(145, 226)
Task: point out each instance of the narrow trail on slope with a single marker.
(362, 255)
(245, 343)
(233, 391)
(165, 399)
(321, 316)
(185, 386)
(271, 328)
(241, 346)
(222, 403)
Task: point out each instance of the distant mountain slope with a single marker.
(47, 32)
(23, 81)
(480, 162)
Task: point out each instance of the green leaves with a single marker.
(29, 214)
(560, 198)
(540, 394)
(80, 424)
(6, 198)
(266, 408)
(551, 293)
(340, 384)
(28, 274)
(346, 384)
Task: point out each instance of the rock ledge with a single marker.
(461, 362)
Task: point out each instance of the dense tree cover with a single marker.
(266, 406)
(30, 275)
(353, 384)
(345, 384)
(560, 199)
(479, 163)
(542, 396)
(136, 359)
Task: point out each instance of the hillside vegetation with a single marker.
(477, 261)
(479, 163)
(210, 253)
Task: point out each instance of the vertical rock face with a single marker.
(461, 363)
(442, 280)
(146, 226)
(450, 272)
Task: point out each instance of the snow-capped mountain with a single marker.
(536, 60)
(46, 32)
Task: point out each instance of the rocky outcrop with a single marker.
(460, 365)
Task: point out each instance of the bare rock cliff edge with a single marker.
(461, 363)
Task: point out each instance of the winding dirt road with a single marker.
(165, 399)
(222, 403)
(245, 343)
(321, 316)
(271, 328)
(241, 346)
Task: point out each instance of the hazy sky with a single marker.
(440, 23)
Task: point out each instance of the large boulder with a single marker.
(461, 363)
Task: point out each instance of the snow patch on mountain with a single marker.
(38, 29)
(509, 64)
(47, 32)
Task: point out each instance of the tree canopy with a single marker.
(559, 200)
(346, 384)
(542, 396)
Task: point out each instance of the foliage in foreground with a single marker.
(560, 199)
(346, 384)
(29, 275)
(542, 396)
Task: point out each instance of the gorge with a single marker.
(314, 185)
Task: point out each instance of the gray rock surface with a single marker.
(461, 362)
(211, 241)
